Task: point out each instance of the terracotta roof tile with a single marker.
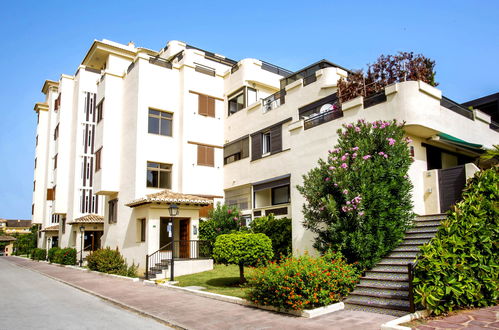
(89, 218)
(51, 228)
(168, 196)
(7, 238)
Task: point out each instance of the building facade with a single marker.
(135, 130)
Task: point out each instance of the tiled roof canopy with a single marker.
(18, 223)
(51, 228)
(89, 218)
(168, 196)
(6, 238)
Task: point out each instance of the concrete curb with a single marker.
(111, 300)
(394, 324)
(310, 313)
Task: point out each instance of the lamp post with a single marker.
(82, 230)
(173, 210)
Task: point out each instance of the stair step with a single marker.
(396, 261)
(389, 269)
(380, 293)
(407, 248)
(155, 269)
(440, 216)
(396, 304)
(380, 284)
(396, 277)
(414, 241)
(429, 223)
(373, 309)
(419, 236)
(404, 254)
(163, 265)
(421, 230)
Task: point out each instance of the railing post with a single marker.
(412, 308)
(147, 267)
(172, 262)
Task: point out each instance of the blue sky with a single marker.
(42, 39)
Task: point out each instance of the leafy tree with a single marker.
(459, 267)
(242, 249)
(278, 230)
(25, 243)
(358, 200)
(223, 219)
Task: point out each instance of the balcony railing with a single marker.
(457, 108)
(273, 101)
(322, 117)
(275, 69)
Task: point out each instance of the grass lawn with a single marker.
(222, 280)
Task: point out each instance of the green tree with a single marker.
(358, 200)
(278, 230)
(243, 249)
(223, 219)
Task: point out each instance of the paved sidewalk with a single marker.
(484, 318)
(189, 311)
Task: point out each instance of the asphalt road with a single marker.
(29, 300)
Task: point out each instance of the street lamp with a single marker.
(82, 230)
(173, 210)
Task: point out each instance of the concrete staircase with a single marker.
(160, 269)
(385, 288)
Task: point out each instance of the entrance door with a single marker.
(165, 233)
(184, 239)
(451, 182)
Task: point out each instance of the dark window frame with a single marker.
(56, 132)
(272, 193)
(162, 115)
(113, 210)
(160, 171)
(55, 161)
(98, 160)
(142, 223)
(100, 110)
(243, 91)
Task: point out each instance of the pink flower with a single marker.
(349, 125)
(348, 203)
(355, 148)
(381, 153)
(235, 218)
(391, 141)
(344, 165)
(357, 129)
(345, 192)
(354, 155)
(344, 157)
(327, 179)
(332, 168)
(408, 140)
(321, 208)
(335, 184)
(229, 211)
(366, 157)
(385, 155)
(361, 213)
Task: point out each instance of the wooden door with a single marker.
(451, 182)
(184, 239)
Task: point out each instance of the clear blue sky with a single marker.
(42, 39)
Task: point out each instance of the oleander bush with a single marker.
(66, 256)
(111, 262)
(303, 282)
(459, 267)
(39, 254)
(223, 219)
(243, 249)
(279, 232)
(358, 200)
(51, 253)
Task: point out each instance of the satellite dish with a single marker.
(326, 107)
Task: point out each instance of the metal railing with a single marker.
(456, 107)
(80, 262)
(321, 118)
(275, 69)
(180, 249)
(410, 271)
(273, 101)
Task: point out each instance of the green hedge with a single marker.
(243, 249)
(51, 253)
(39, 254)
(279, 232)
(110, 261)
(459, 267)
(302, 283)
(66, 256)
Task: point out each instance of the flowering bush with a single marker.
(223, 219)
(278, 230)
(110, 261)
(358, 201)
(302, 283)
(66, 256)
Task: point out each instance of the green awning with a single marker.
(446, 138)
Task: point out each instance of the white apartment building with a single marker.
(133, 122)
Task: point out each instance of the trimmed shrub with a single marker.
(279, 232)
(111, 262)
(66, 256)
(39, 254)
(302, 283)
(358, 200)
(243, 249)
(223, 219)
(51, 253)
(458, 268)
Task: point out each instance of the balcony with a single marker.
(274, 101)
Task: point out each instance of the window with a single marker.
(280, 195)
(34, 185)
(206, 105)
(63, 224)
(142, 230)
(55, 162)
(57, 103)
(160, 122)
(236, 150)
(113, 210)
(266, 143)
(159, 175)
(98, 158)
(240, 197)
(206, 155)
(100, 109)
(32, 209)
(36, 140)
(241, 99)
(35, 162)
(56, 132)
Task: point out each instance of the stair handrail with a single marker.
(410, 270)
(81, 254)
(155, 255)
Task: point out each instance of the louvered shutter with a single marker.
(210, 106)
(256, 146)
(201, 155)
(202, 107)
(276, 139)
(210, 156)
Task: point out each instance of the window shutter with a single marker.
(276, 139)
(245, 148)
(210, 156)
(210, 106)
(202, 105)
(256, 146)
(201, 155)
